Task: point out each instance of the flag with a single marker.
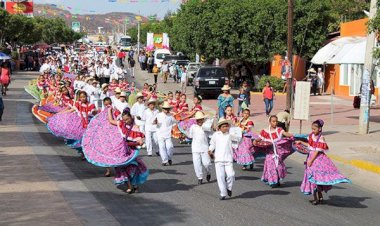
(138, 18)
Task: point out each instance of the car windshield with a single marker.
(212, 72)
(161, 56)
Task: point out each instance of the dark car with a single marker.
(209, 80)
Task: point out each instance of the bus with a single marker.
(125, 43)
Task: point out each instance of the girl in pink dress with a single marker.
(320, 172)
(243, 154)
(185, 125)
(136, 172)
(274, 166)
(72, 123)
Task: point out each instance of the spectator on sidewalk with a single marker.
(155, 71)
(150, 63)
(5, 78)
(132, 63)
(225, 99)
(165, 71)
(268, 95)
(183, 80)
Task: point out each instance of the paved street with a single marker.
(45, 183)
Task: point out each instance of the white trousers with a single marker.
(166, 149)
(225, 175)
(200, 158)
(150, 141)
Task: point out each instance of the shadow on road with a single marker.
(347, 201)
(165, 185)
(255, 194)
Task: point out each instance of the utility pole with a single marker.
(366, 80)
(289, 81)
(138, 38)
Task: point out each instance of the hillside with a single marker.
(89, 22)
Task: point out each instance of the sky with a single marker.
(142, 7)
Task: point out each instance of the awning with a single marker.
(346, 50)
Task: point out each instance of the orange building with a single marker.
(345, 79)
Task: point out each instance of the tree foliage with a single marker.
(252, 30)
(18, 29)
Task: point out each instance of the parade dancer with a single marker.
(165, 122)
(221, 150)
(148, 117)
(274, 166)
(199, 148)
(137, 111)
(243, 154)
(136, 172)
(320, 172)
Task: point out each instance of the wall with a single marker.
(354, 28)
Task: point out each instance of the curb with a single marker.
(360, 164)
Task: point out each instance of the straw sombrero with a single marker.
(123, 94)
(199, 115)
(152, 101)
(104, 85)
(226, 87)
(138, 95)
(166, 105)
(223, 121)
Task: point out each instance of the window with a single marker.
(344, 74)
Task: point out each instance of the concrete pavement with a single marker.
(169, 197)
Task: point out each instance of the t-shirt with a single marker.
(268, 93)
(165, 124)
(200, 141)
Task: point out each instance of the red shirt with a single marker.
(183, 107)
(197, 107)
(268, 93)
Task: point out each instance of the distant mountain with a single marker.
(110, 22)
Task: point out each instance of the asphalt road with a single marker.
(171, 195)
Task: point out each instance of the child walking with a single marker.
(320, 172)
(199, 148)
(242, 98)
(148, 117)
(165, 122)
(221, 150)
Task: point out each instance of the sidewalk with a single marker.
(357, 156)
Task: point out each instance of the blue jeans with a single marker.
(268, 105)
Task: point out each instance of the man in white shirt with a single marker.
(165, 122)
(165, 71)
(106, 73)
(199, 148)
(149, 116)
(183, 80)
(137, 111)
(221, 149)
